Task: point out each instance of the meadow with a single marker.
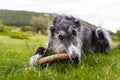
(15, 54)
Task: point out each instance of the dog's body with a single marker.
(70, 35)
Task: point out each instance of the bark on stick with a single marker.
(55, 57)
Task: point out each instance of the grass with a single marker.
(15, 54)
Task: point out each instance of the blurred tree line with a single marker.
(17, 18)
(28, 21)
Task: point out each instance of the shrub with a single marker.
(19, 35)
(7, 29)
(118, 35)
(2, 29)
(27, 28)
(40, 24)
(115, 38)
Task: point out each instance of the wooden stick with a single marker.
(52, 58)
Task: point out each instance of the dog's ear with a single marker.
(70, 18)
(52, 30)
(56, 20)
(77, 23)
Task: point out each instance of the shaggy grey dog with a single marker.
(70, 35)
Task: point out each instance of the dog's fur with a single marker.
(70, 35)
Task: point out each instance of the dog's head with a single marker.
(66, 32)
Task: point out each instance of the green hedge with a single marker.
(19, 35)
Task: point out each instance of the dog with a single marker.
(68, 34)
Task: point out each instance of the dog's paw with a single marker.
(34, 59)
(37, 56)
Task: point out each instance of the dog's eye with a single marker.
(74, 32)
(60, 37)
(57, 32)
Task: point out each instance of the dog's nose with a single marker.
(75, 58)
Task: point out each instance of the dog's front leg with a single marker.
(37, 55)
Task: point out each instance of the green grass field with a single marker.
(15, 54)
